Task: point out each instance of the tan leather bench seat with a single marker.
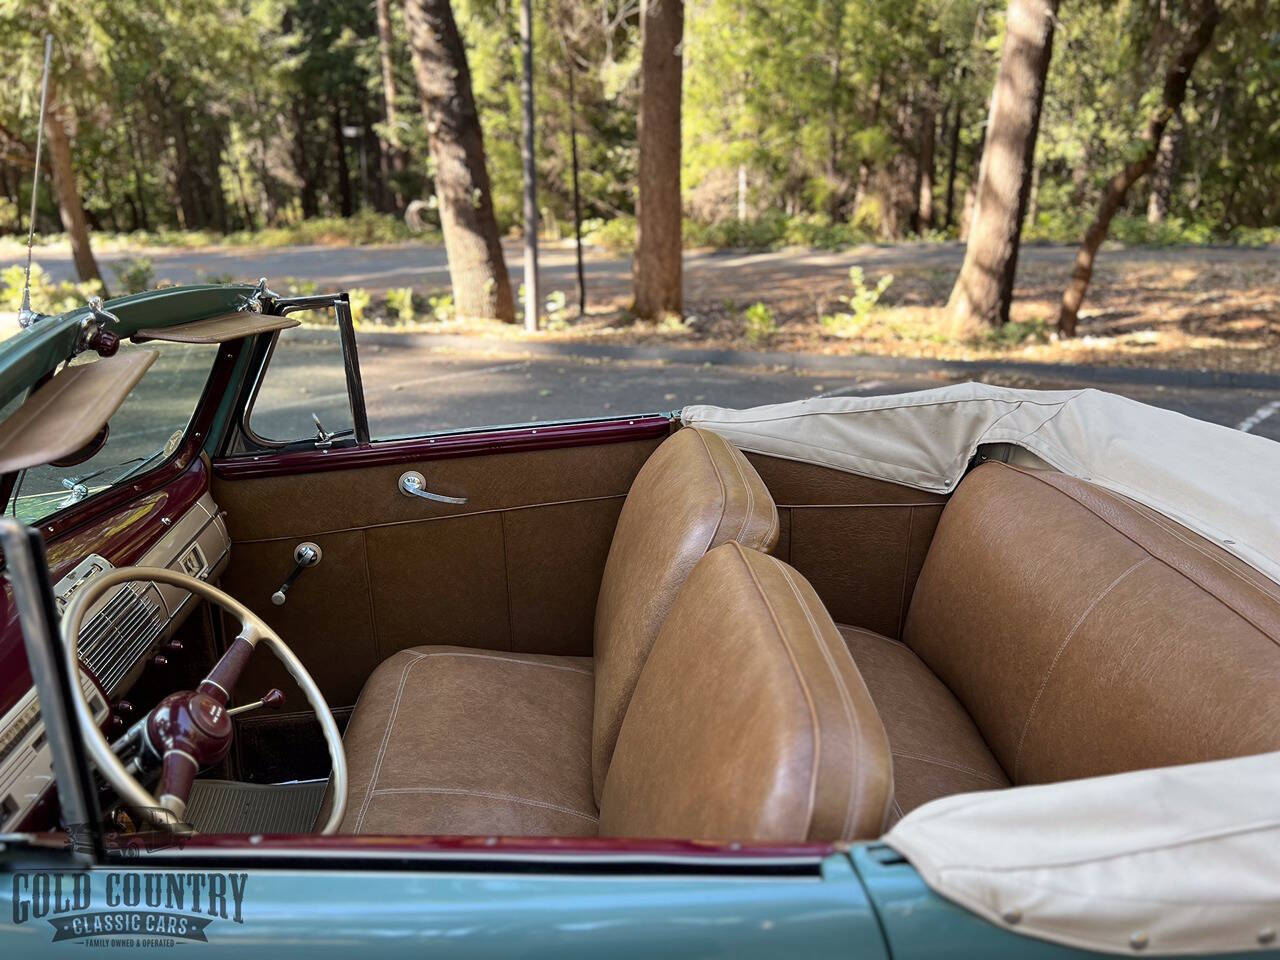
(936, 748)
(450, 740)
(1060, 631)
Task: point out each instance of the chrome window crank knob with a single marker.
(414, 484)
(304, 555)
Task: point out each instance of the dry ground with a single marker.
(1217, 310)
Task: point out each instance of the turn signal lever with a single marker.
(304, 555)
(273, 699)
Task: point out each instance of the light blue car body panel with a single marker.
(335, 913)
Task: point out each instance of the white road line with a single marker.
(1262, 413)
(853, 388)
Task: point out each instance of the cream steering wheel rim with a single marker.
(253, 629)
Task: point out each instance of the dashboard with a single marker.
(121, 634)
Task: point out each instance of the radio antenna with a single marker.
(27, 316)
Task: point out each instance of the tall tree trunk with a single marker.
(657, 267)
(345, 204)
(953, 161)
(481, 287)
(984, 288)
(928, 140)
(1165, 172)
(391, 158)
(1113, 197)
(70, 209)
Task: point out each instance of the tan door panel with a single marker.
(439, 582)
(517, 567)
(548, 581)
(327, 620)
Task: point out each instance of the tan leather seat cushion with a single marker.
(1087, 635)
(937, 751)
(452, 740)
(696, 491)
(749, 721)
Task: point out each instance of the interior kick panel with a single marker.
(120, 635)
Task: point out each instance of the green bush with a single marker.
(617, 236)
(1017, 332)
(861, 304)
(759, 323)
(441, 306)
(400, 302)
(134, 276)
(46, 296)
(359, 299)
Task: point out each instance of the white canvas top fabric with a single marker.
(1220, 482)
(1171, 861)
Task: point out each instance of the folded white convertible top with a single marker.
(1171, 861)
(1222, 483)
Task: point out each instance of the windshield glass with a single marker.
(145, 431)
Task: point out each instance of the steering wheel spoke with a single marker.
(191, 729)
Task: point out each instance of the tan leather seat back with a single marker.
(750, 720)
(695, 492)
(1088, 635)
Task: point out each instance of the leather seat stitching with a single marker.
(724, 496)
(795, 671)
(751, 497)
(958, 767)
(846, 700)
(1035, 704)
(386, 737)
(462, 792)
(526, 663)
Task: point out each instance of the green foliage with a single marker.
(442, 307)
(617, 236)
(46, 296)
(360, 299)
(400, 301)
(759, 324)
(135, 276)
(860, 305)
(1016, 333)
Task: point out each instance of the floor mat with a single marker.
(225, 806)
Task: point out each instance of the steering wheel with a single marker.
(189, 730)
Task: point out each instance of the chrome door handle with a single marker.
(414, 484)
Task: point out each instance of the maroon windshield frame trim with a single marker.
(444, 447)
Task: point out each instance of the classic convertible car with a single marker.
(970, 672)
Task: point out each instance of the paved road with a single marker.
(425, 267)
(412, 390)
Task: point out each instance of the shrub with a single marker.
(441, 307)
(135, 276)
(360, 300)
(617, 236)
(861, 304)
(46, 296)
(760, 323)
(400, 302)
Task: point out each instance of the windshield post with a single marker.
(28, 573)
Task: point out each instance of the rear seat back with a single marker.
(695, 492)
(1088, 635)
(750, 720)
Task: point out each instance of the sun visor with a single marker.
(67, 412)
(230, 326)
